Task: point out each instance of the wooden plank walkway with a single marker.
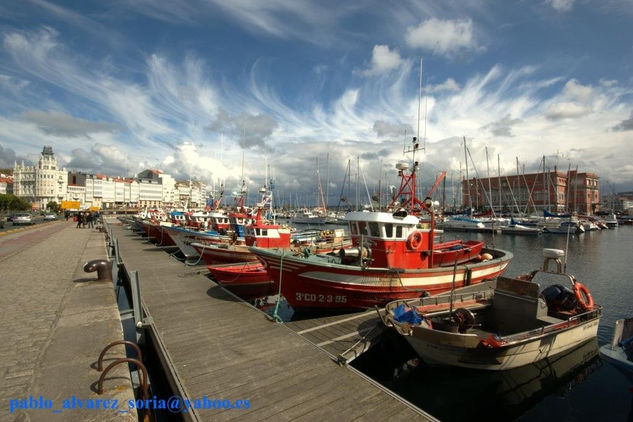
(343, 337)
(223, 348)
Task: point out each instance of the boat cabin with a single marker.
(199, 219)
(267, 236)
(396, 241)
(177, 218)
(219, 222)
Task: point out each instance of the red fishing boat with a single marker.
(245, 275)
(391, 258)
(248, 280)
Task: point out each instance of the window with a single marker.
(361, 228)
(398, 232)
(389, 230)
(373, 229)
(264, 232)
(353, 228)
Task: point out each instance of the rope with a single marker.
(275, 315)
(405, 287)
(199, 258)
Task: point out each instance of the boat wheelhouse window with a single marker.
(353, 228)
(389, 230)
(264, 232)
(373, 229)
(398, 232)
(362, 228)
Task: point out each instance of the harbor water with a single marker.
(574, 386)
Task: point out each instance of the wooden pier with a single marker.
(217, 346)
(342, 337)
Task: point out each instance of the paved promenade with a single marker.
(55, 321)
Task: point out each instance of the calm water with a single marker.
(576, 386)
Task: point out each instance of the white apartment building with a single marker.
(43, 183)
(151, 188)
(6, 184)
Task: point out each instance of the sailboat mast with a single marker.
(470, 206)
(419, 98)
(499, 182)
(489, 181)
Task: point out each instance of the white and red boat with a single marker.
(391, 258)
(184, 237)
(244, 275)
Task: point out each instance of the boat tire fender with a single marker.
(415, 240)
(583, 296)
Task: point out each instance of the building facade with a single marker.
(6, 184)
(42, 183)
(529, 193)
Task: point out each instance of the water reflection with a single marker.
(454, 394)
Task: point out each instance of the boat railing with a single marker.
(430, 302)
(557, 326)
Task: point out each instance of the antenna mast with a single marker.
(419, 107)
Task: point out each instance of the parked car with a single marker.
(22, 219)
(50, 216)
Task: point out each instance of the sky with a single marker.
(296, 89)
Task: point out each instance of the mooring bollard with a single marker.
(101, 266)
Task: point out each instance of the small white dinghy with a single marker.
(514, 325)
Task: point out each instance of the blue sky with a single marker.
(191, 87)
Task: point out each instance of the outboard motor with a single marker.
(559, 298)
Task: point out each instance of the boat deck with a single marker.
(218, 346)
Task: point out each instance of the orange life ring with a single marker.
(414, 240)
(583, 296)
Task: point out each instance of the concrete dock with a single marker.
(56, 319)
(220, 347)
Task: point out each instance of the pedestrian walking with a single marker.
(79, 220)
(90, 220)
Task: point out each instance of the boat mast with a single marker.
(499, 183)
(470, 205)
(327, 180)
(358, 207)
(320, 193)
(489, 181)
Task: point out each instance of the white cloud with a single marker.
(442, 37)
(624, 125)
(448, 85)
(561, 5)
(566, 110)
(383, 60)
(58, 123)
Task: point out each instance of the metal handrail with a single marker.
(139, 365)
(139, 355)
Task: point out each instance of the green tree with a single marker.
(10, 202)
(53, 206)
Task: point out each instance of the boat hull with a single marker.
(223, 253)
(315, 283)
(435, 352)
(248, 280)
(183, 238)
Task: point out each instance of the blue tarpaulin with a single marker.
(410, 316)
